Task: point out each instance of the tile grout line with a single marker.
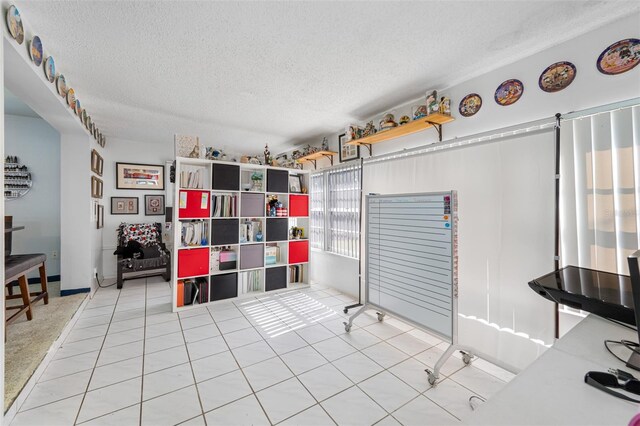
(75, 421)
(144, 342)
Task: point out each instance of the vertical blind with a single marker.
(335, 210)
(600, 197)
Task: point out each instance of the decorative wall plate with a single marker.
(71, 98)
(14, 22)
(50, 69)
(620, 57)
(95, 132)
(89, 124)
(83, 117)
(557, 76)
(470, 105)
(509, 92)
(78, 108)
(61, 85)
(35, 50)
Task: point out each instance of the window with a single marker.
(335, 210)
(317, 211)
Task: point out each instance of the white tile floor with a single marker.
(278, 359)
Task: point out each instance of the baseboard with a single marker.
(51, 278)
(74, 291)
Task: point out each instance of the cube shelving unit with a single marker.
(246, 252)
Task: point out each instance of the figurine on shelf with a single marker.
(272, 206)
(325, 144)
(353, 132)
(369, 129)
(213, 153)
(419, 112)
(404, 119)
(256, 181)
(387, 122)
(432, 102)
(267, 155)
(445, 106)
(296, 154)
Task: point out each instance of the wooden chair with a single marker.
(16, 268)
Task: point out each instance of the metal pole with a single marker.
(557, 217)
(355, 305)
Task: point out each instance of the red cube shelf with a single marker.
(298, 205)
(193, 262)
(194, 204)
(299, 251)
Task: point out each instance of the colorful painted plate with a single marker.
(50, 69)
(78, 108)
(35, 50)
(71, 98)
(509, 92)
(619, 57)
(61, 85)
(14, 22)
(557, 76)
(470, 105)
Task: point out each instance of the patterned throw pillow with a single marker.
(144, 233)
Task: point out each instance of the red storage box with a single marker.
(299, 251)
(192, 262)
(194, 204)
(298, 205)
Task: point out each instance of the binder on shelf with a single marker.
(296, 273)
(224, 205)
(192, 178)
(195, 233)
(180, 301)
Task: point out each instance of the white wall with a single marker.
(125, 151)
(37, 145)
(590, 88)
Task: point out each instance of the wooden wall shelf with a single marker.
(313, 158)
(435, 120)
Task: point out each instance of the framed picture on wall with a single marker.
(100, 222)
(96, 187)
(347, 152)
(154, 205)
(124, 205)
(140, 176)
(97, 163)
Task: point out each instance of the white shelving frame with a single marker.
(182, 163)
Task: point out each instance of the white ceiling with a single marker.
(242, 74)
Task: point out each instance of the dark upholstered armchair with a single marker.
(141, 252)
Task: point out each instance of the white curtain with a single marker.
(506, 236)
(600, 182)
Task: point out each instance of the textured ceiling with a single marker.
(242, 74)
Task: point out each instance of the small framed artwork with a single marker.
(100, 221)
(124, 205)
(140, 176)
(97, 162)
(96, 187)
(295, 183)
(347, 152)
(154, 205)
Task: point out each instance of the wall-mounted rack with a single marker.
(313, 158)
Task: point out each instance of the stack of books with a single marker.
(224, 205)
(195, 233)
(192, 179)
(193, 291)
(296, 274)
(251, 281)
(249, 229)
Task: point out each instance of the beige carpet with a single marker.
(28, 341)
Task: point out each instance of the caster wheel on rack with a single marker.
(345, 310)
(380, 316)
(431, 377)
(347, 327)
(466, 358)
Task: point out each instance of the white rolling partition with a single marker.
(412, 263)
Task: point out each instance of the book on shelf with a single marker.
(225, 205)
(195, 233)
(251, 281)
(271, 254)
(192, 178)
(296, 274)
(249, 230)
(193, 291)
